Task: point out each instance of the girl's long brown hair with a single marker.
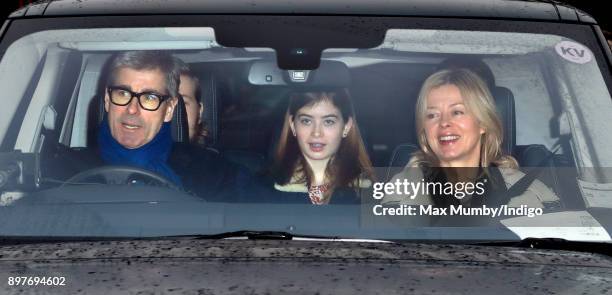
(350, 162)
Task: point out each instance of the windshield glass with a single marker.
(432, 134)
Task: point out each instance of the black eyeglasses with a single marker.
(149, 101)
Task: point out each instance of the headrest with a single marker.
(504, 101)
(402, 153)
(399, 158)
(178, 125)
(209, 92)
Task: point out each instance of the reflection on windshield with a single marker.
(430, 129)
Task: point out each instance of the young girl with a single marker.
(321, 157)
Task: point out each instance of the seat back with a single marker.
(209, 90)
(179, 126)
(504, 102)
(209, 93)
(399, 157)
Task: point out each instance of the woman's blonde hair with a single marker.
(479, 102)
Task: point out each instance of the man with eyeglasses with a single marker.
(141, 92)
(140, 96)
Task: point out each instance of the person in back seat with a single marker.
(320, 158)
(460, 137)
(189, 89)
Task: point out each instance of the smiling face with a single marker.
(319, 129)
(187, 89)
(131, 125)
(452, 131)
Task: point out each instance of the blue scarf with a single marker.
(152, 156)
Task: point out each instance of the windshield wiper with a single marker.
(275, 235)
(258, 235)
(242, 234)
(556, 244)
(251, 235)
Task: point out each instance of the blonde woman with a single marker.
(460, 136)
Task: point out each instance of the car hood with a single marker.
(196, 266)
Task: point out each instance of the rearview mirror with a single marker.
(329, 74)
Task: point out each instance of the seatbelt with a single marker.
(519, 187)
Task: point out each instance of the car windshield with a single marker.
(456, 131)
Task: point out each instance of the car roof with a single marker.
(548, 10)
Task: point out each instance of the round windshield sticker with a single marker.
(574, 52)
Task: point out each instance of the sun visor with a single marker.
(328, 74)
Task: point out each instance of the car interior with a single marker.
(245, 99)
(243, 118)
